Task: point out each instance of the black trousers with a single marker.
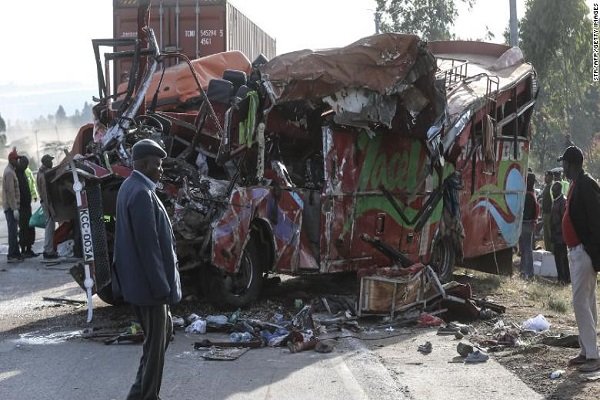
(562, 262)
(26, 234)
(158, 327)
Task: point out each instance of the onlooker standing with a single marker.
(49, 252)
(145, 271)
(31, 182)
(581, 231)
(10, 202)
(26, 233)
(558, 177)
(547, 210)
(560, 248)
(530, 215)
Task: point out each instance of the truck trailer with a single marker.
(196, 28)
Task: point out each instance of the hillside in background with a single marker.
(26, 103)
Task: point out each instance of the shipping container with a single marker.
(196, 28)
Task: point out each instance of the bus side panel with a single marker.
(356, 166)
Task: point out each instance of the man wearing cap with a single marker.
(581, 232)
(145, 264)
(10, 202)
(49, 252)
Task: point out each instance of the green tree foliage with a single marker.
(429, 19)
(556, 38)
(2, 125)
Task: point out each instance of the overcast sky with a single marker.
(48, 42)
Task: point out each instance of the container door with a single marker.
(200, 30)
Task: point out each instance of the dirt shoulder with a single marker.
(531, 359)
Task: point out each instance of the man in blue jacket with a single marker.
(145, 264)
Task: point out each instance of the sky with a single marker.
(48, 59)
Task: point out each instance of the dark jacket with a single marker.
(547, 199)
(24, 192)
(531, 208)
(584, 210)
(556, 217)
(145, 264)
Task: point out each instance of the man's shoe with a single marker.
(476, 357)
(50, 256)
(14, 259)
(579, 360)
(591, 365)
(425, 348)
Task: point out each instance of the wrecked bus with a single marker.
(387, 151)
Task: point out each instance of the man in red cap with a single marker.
(581, 232)
(10, 202)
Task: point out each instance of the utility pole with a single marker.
(514, 31)
(377, 22)
(37, 146)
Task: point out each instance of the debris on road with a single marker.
(557, 374)
(206, 343)
(220, 354)
(477, 356)
(64, 300)
(537, 323)
(464, 349)
(425, 348)
(571, 341)
(198, 326)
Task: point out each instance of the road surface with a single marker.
(42, 356)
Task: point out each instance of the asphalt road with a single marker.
(42, 356)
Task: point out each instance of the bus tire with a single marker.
(106, 295)
(241, 288)
(442, 260)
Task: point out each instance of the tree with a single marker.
(2, 125)
(86, 113)
(555, 38)
(429, 19)
(61, 115)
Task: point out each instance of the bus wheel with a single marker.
(106, 295)
(241, 288)
(442, 260)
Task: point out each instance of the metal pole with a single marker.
(514, 32)
(377, 22)
(37, 146)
